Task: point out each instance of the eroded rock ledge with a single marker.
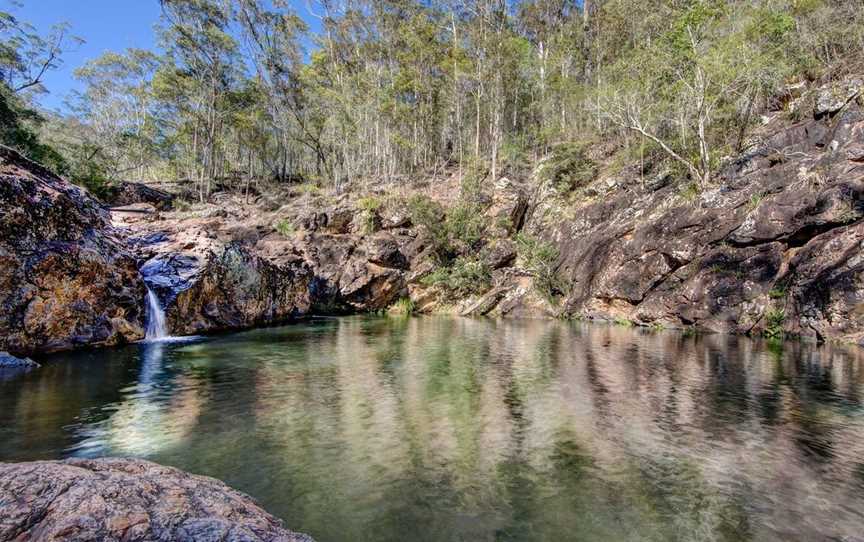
(127, 499)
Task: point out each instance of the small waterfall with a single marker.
(155, 318)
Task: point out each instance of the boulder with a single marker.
(207, 281)
(508, 207)
(499, 254)
(833, 97)
(124, 194)
(127, 499)
(234, 288)
(66, 278)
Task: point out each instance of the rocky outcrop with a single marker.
(66, 278)
(8, 361)
(123, 194)
(210, 278)
(774, 244)
(126, 499)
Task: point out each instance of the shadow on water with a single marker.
(367, 428)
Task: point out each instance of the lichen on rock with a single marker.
(127, 499)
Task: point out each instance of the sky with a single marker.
(104, 25)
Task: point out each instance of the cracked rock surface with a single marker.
(129, 500)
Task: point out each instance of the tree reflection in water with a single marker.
(460, 429)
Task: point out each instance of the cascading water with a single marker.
(155, 318)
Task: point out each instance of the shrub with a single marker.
(465, 224)
(774, 320)
(369, 207)
(285, 227)
(691, 191)
(460, 228)
(429, 215)
(403, 307)
(539, 258)
(466, 276)
(755, 201)
(777, 292)
(569, 168)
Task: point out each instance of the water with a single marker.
(156, 329)
(455, 429)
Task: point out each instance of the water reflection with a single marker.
(459, 429)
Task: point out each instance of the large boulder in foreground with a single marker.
(66, 279)
(127, 499)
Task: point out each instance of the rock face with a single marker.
(775, 243)
(127, 499)
(66, 279)
(210, 282)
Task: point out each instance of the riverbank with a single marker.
(769, 247)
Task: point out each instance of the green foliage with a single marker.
(778, 292)
(465, 276)
(540, 259)
(369, 207)
(691, 191)
(623, 322)
(569, 168)
(471, 184)
(402, 89)
(465, 224)
(454, 230)
(285, 227)
(429, 214)
(754, 201)
(19, 126)
(369, 203)
(403, 307)
(774, 320)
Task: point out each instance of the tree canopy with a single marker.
(241, 89)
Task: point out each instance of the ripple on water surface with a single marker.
(460, 429)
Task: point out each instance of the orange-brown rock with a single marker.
(66, 277)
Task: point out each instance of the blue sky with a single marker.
(104, 25)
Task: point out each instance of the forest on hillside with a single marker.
(244, 89)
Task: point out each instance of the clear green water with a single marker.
(456, 429)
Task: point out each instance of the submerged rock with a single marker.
(8, 361)
(127, 499)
